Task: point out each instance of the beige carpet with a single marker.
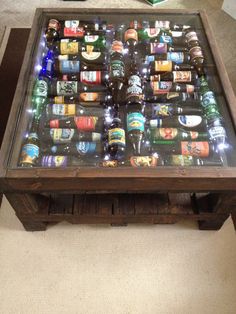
(159, 269)
(137, 269)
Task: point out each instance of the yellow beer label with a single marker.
(59, 100)
(69, 48)
(163, 66)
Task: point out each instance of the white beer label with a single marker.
(71, 24)
(190, 121)
(91, 56)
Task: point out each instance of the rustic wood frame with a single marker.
(21, 185)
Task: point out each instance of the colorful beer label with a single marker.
(134, 91)
(40, 88)
(182, 76)
(196, 52)
(116, 136)
(180, 160)
(54, 161)
(165, 133)
(68, 47)
(66, 87)
(91, 77)
(117, 46)
(110, 163)
(72, 29)
(166, 39)
(69, 66)
(86, 123)
(208, 99)
(198, 149)
(131, 34)
(86, 148)
(148, 33)
(162, 24)
(135, 121)
(177, 57)
(135, 80)
(117, 68)
(64, 110)
(189, 121)
(62, 136)
(158, 48)
(143, 161)
(59, 100)
(29, 154)
(89, 96)
(163, 66)
(217, 132)
(91, 56)
(191, 36)
(163, 110)
(161, 87)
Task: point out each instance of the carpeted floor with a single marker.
(138, 269)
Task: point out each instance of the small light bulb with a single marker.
(106, 157)
(155, 155)
(38, 67)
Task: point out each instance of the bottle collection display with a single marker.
(133, 94)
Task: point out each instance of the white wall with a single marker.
(229, 6)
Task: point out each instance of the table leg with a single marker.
(26, 206)
(221, 204)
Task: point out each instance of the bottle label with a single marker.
(217, 132)
(93, 55)
(134, 91)
(29, 154)
(208, 99)
(85, 148)
(166, 39)
(66, 87)
(149, 59)
(165, 133)
(190, 121)
(59, 100)
(72, 29)
(117, 68)
(69, 47)
(180, 160)
(54, 24)
(163, 110)
(196, 52)
(131, 34)
(177, 57)
(162, 24)
(161, 87)
(54, 161)
(194, 135)
(116, 136)
(86, 123)
(163, 66)
(89, 96)
(158, 48)
(191, 36)
(91, 38)
(143, 161)
(64, 110)
(117, 46)
(182, 76)
(40, 88)
(135, 121)
(69, 66)
(110, 163)
(135, 80)
(199, 149)
(91, 77)
(60, 136)
(148, 33)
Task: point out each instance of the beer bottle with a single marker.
(134, 92)
(86, 98)
(82, 61)
(63, 161)
(82, 123)
(30, 151)
(176, 97)
(65, 136)
(86, 77)
(73, 47)
(160, 48)
(171, 135)
(170, 25)
(135, 126)
(165, 87)
(131, 39)
(77, 29)
(195, 50)
(177, 57)
(182, 160)
(83, 149)
(116, 139)
(72, 88)
(52, 32)
(47, 65)
(174, 76)
(117, 67)
(168, 66)
(170, 109)
(39, 97)
(217, 133)
(59, 110)
(189, 122)
(185, 148)
(173, 41)
(95, 41)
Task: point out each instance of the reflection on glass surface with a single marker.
(140, 93)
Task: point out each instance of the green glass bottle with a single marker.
(95, 41)
(39, 97)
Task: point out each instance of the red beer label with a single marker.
(91, 77)
(54, 124)
(199, 149)
(86, 123)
